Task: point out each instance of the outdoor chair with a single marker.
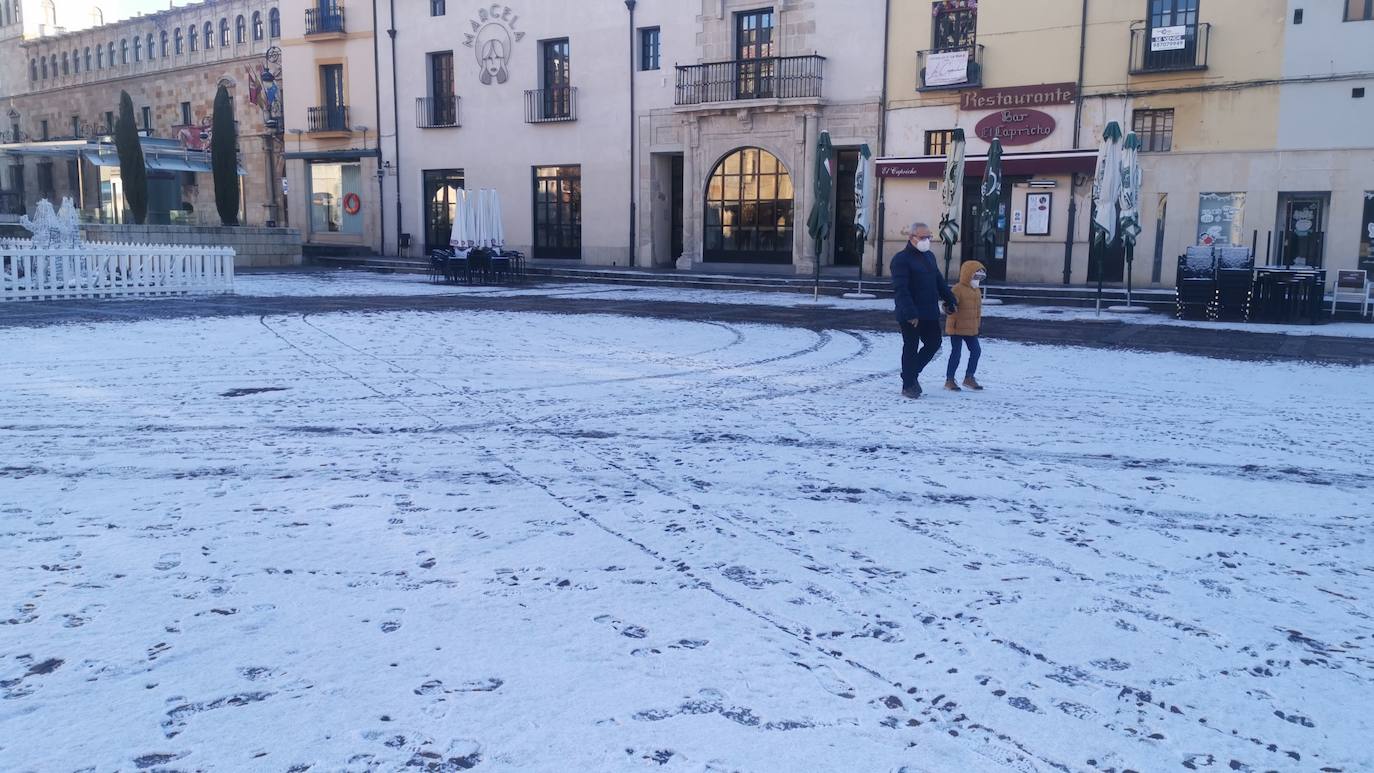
(1352, 287)
(479, 265)
(501, 267)
(1196, 291)
(1235, 283)
(438, 265)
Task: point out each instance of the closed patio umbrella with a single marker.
(498, 229)
(1128, 203)
(1106, 191)
(863, 200)
(991, 201)
(459, 235)
(819, 223)
(952, 193)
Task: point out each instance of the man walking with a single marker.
(917, 288)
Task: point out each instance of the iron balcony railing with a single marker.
(324, 19)
(551, 105)
(331, 118)
(774, 77)
(934, 77)
(1169, 49)
(436, 112)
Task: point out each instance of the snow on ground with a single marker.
(515, 542)
(336, 283)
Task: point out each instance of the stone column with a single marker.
(803, 246)
(692, 195)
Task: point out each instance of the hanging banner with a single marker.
(947, 68)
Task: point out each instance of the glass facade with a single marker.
(749, 203)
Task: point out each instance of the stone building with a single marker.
(1253, 117)
(719, 104)
(62, 94)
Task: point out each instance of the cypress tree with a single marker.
(132, 170)
(224, 160)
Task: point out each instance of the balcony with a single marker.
(776, 77)
(332, 119)
(555, 105)
(949, 68)
(437, 112)
(1169, 49)
(325, 21)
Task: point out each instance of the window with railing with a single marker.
(954, 24)
(326, 17)
(954, 58)
(440, 108)
(555, 99)
(1154, 129)
(756, 65)
(938, 141)
(789, 77)
(1171, 38)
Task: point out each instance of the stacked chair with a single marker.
(1235, 283)
(1196, 293)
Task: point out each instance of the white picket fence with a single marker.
(108, 270)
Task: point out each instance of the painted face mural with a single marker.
(493, 53)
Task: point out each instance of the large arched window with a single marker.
(274, 24)
(138, 48)
(163, 44)
(124, 51)
(178, 42)
(87, 57)
(749, 209)
(66, 65)
(152, 51)
(257, 25)
(76, 62)
(223, 33)
(33, 69)
(110, 51)
(192, 37)
(54, 65)
(209, 36)
(240, 29)
(100, 57)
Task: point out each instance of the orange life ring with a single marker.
(352, 203)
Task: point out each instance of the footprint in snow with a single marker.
(167, 561)
(830, 681)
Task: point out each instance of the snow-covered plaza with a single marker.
(528, 542)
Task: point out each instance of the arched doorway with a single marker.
(749, 209)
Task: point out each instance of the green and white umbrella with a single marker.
(952, 194)
(1106, 192)
(1107, 186)
(819, 222)
(1128, 203)
(863, 201)
(992, 199)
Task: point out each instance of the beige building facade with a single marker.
(330, 65)
(1252, 115)
(681, 134)
(62, 98)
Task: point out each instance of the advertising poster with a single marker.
(1220, 219)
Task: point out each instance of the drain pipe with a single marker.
(381, 174)
(1077, 128)
(396, 126)
(882, 144)
(634, 154)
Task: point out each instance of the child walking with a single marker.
(962, 325)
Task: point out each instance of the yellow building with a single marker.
(1252, 115)
(335, 194)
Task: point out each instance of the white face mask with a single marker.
(923, 245)
(977, 283)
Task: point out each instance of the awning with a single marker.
(186, 161)
(332, 155)
(933, 167)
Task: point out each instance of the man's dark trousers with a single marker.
(920, 342)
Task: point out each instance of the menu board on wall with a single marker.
(1220, 218)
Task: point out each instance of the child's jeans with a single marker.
(956, 345)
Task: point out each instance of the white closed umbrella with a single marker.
(498, 230)
(459, 234)
(470, 219)
(1106, 192)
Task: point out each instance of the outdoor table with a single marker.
(1286, 294)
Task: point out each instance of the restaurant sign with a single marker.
(1015, 127)
(1044, 95)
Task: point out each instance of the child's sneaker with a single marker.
(951, 386)
(972, 383)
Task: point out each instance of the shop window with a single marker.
(955, 24)
(1359, 10)
(333, 186)
(1221, 219)
(749, 209)
(649, 48)
(938, 142)
(558, 212)
(1154, 129)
